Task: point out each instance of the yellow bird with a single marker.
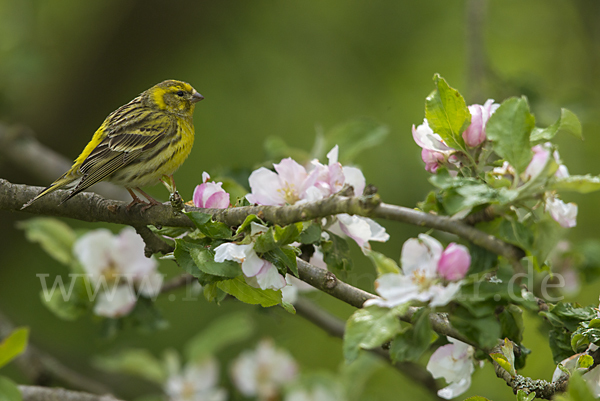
(137, 145)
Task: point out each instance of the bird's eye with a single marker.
(180, 93)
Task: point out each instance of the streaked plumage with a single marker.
(137, 144)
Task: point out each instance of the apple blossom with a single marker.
(197, 382)
(421, 280)
(286, 185)
(258, 272)
(541, 153)
(116, 263)
(474, 135)
(291, 183)
(435, 152)
(564, 213)
(210, 194)
(262, 373)
(453, 362)
(455, 262)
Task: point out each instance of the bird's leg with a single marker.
(135, 200)
(151, 200)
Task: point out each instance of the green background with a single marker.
(285, 69)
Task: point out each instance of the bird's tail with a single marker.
(64, 182)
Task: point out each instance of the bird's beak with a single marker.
(196, 97)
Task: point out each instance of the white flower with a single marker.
(421, 280)
(197, 382)
(258, 272)
(453, 362)
(541, 154)
(263, 372)
(564, 213)
(360, 229)
(115, 264)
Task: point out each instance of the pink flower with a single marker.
(564, 213)
(435, 152)
(454, 263)
(541, 153)
(474, 135)
(210, 194)
(286, 185)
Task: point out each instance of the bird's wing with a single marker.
(124, 142)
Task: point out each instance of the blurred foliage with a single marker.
(288, 70)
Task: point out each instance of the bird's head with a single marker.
(173, 96)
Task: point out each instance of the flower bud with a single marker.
(454, 263)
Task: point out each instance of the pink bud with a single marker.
(432, 159)
(538, 161)
(211, 195)
(474, 135)
(454, 263)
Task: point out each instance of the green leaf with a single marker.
(54, 236)
(355, 136)
(523, 396)
(198, 261)
(220, 334)
(205, 260)
(502, 361)
(412, 343)
(447, 113)
(135, 362)
(567, 123)
(336, 253)
(9, 390)
(238, 288)
(509, 129)
(368, 328)
(283, 258)
(13, 345)
(208, 227)
(483, 329)
(311, 233)
(546, 233)
(245, 226)
(576, 183)
(585, 361)
(276, 237)
(559, 341)
(511, 321)
(382, 263)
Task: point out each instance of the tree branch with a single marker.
(93, 208)
(35, 393)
